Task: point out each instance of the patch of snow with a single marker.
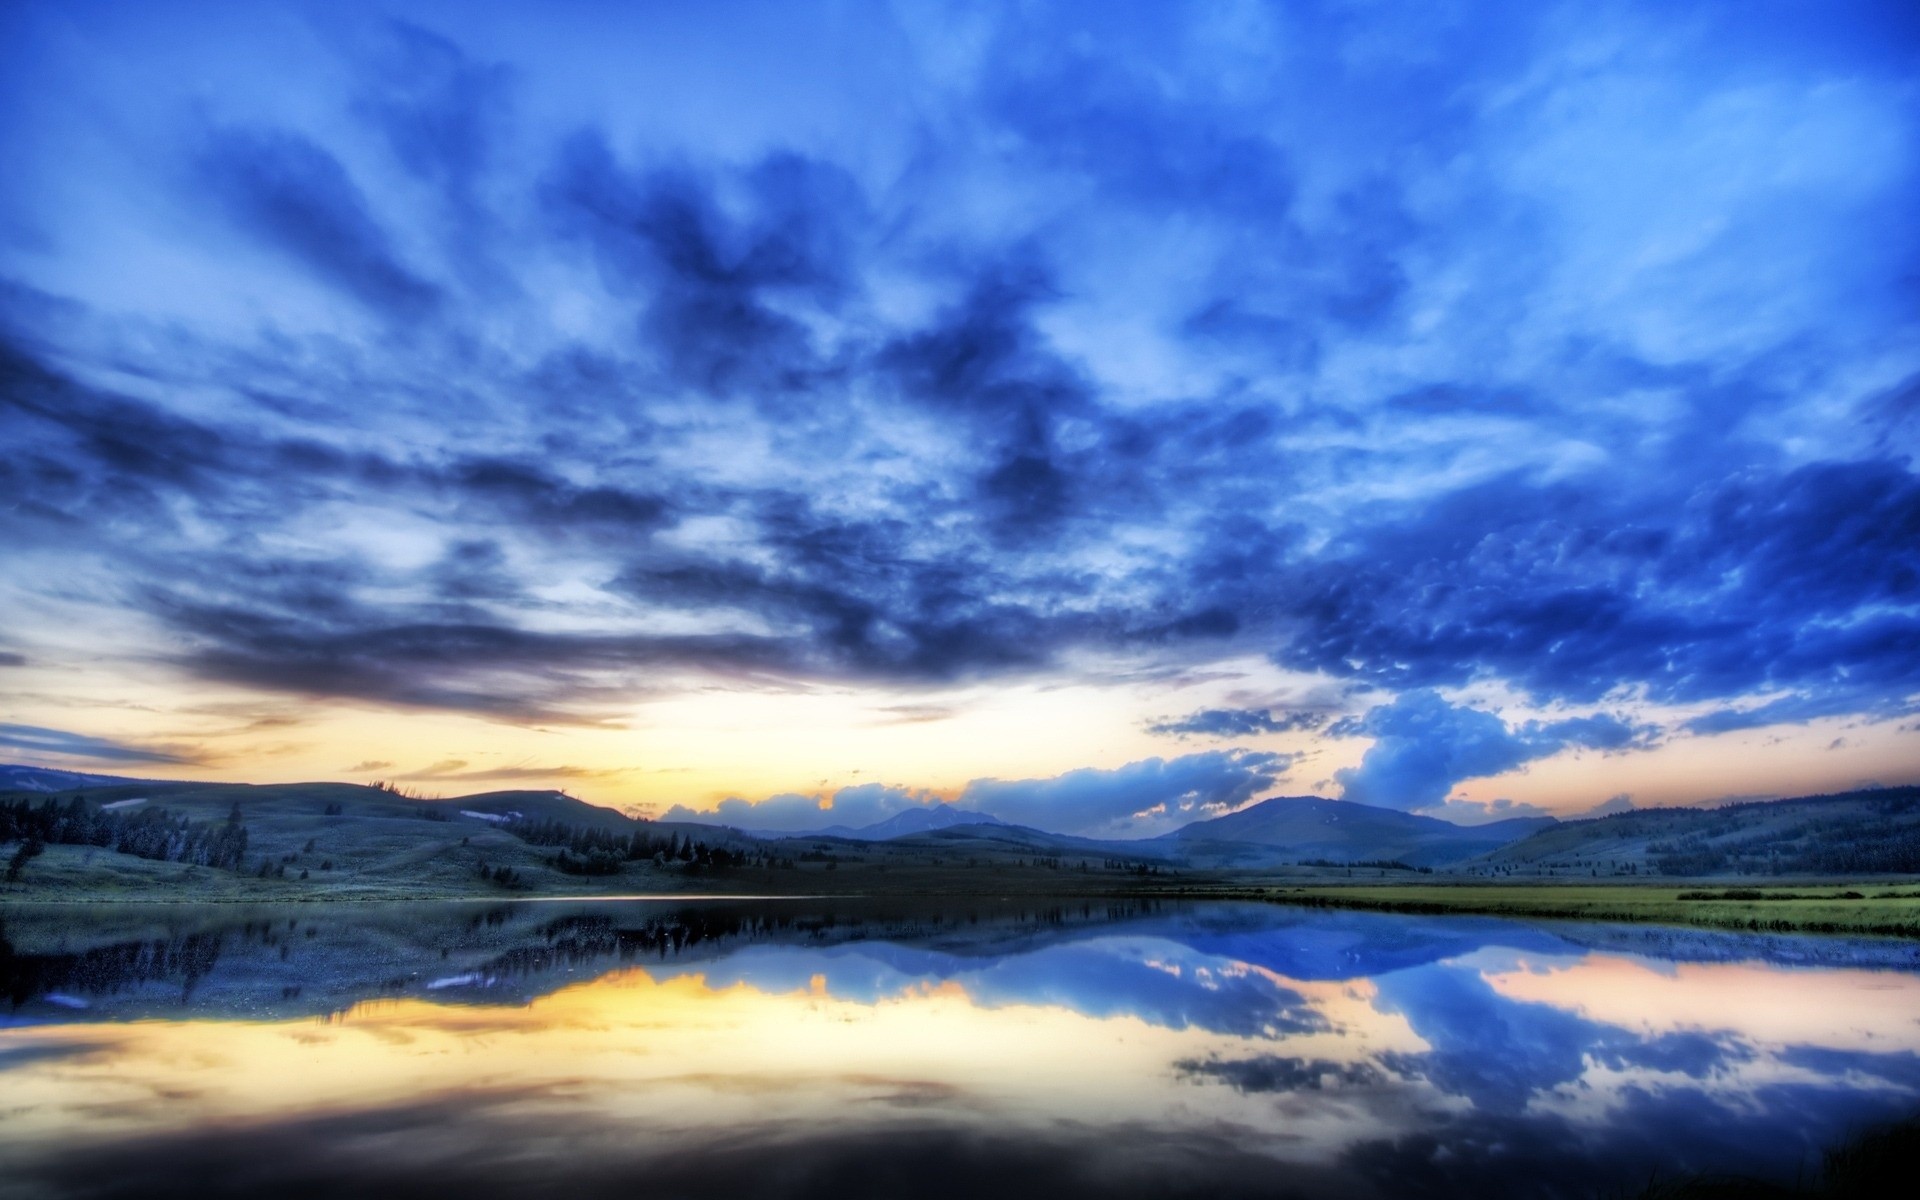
(495, 817)
(123, 804)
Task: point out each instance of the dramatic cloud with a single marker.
(850, 807)
(1240, 722)
(1423, 746)
(1138, 800)
(460, 365)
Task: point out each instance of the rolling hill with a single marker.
(120, 838)
(17, 778)
(1866, 832)
(346, 839)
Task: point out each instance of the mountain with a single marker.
(1304, 828)
(903, 824)
(1872, 831)
(17, 778)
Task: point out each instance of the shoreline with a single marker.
(1844, 908)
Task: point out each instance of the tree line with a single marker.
(593, 850)
(151, 833)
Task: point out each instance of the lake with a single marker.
(958, 1048)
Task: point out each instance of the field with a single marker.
(1875, 908)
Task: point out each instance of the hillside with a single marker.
(343, 839)
(1851, 833)
(1306, 828)
(17, 778)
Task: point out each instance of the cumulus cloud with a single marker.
(791, 812)
(1475, 812)
(1141, 799)
(1423, 746)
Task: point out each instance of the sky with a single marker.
(1099, 415)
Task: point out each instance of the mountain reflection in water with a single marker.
(850, 1049)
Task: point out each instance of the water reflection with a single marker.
(736, 1048)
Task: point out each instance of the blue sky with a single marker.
(1335, 397)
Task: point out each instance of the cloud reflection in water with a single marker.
(1217, 1050)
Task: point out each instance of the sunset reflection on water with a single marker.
(1217, 1048)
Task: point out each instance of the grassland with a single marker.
(1856, 908)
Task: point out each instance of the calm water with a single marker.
(740, 1048)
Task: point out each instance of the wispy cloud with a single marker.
(428, 385)
(84, 748)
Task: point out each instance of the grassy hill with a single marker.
(326, 841)
(339, 840)
(1852, 833)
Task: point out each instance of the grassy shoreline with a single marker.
(1848, 907)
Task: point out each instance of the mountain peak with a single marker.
(1314, 827)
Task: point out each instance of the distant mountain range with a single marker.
(904, 824)
(1310, 827)
(1283, 829)
(1873, 831)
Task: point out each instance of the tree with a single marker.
(28, 851)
